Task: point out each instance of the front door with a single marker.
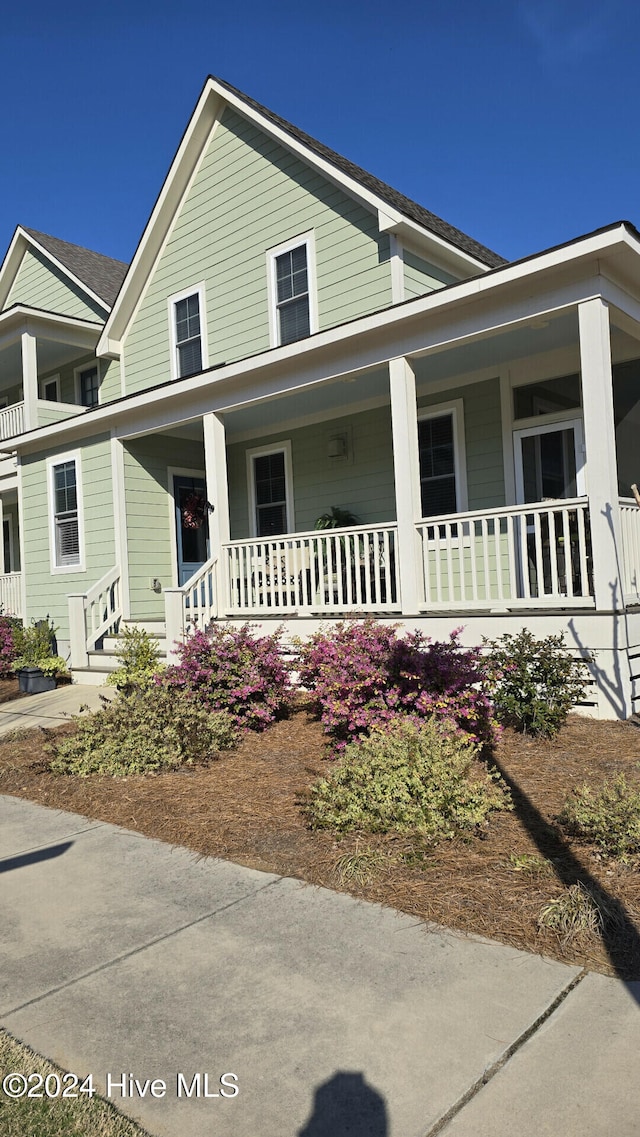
(549, 462)
(192, 530)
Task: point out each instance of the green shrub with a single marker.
(407, 778)
(609, 817)
(139, 655)
(154, 729)
(533, 683)
(34, 647)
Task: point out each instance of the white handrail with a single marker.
(94, 614)
(326, 570)
(532, 555)
(11, 593)
(11, 421)
(630, 528)
(191, 606)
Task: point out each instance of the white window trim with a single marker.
(77, 372)
(307, 239)
(283, 447)
(198, 290)
(42, 383)
(59, 460)
(455, 408)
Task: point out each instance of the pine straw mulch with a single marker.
(246, 807)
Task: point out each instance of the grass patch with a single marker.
(529, 864)
(359, 867)
(578, 912)
(46, 1117)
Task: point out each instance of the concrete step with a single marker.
(112, 645)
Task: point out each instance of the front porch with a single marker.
(487, 475)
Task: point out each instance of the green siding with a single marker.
(110, 382)
(483, 435)
(46, 592)
(362, 484)
(150, 515)
(40, 284)
(421, 277)
(67, 377)
(250, 195)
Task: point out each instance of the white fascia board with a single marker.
(387, 214)
(434, 248)
(11, 264)
(25, 239)
(22, 318)
(427, 323)
(208, 110)
(173, 188)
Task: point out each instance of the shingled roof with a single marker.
(393, 197)
(102, 275)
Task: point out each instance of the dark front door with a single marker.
(192, 530)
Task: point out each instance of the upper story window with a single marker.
(50, 389)
(89, 385)
(64, 513)
(187, 319)
(291, 277)
(547, 397)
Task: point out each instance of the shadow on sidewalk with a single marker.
(34, 858)
(346, 1104)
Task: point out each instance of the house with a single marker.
(294, 335)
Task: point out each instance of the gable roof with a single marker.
(393, 197)
(102, 275)
(396, 212)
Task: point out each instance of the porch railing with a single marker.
(93, 615)
(630, 526)
(337, 570)
(192, 605)
(11, 593)
(517, 556)
(11, 420)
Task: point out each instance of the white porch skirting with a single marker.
(11, 593)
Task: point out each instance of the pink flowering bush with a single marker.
(9, 636)
(363, 675)
(230, 669)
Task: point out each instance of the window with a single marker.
(50, 389)
(291, 289)
(187, 324)
(65, 514)
(441, 456)
(89, 385)
(270, 488)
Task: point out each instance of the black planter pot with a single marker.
(33, 681)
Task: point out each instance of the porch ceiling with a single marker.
(322, 399)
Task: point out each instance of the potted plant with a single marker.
(36, 666)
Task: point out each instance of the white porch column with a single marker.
(600, 445)
(215, 464)
(404, 426)
(29, 380)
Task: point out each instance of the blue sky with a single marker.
(516, 121)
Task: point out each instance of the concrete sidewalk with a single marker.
(123, 956)
(52, 708)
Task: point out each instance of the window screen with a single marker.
(188, 342)
(292, 290)
(271, 494)
(67, 536)
(437, 466)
